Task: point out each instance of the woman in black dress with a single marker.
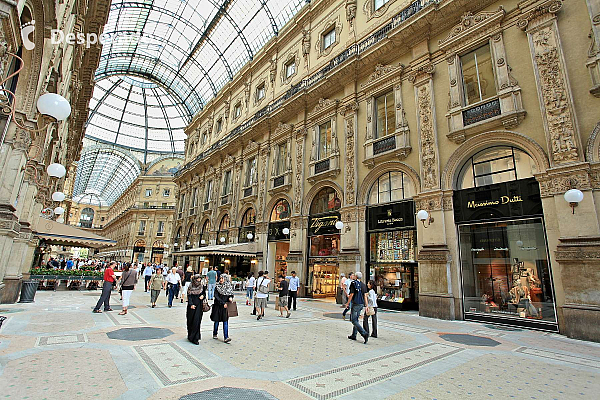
(196, 294)
(223, 294)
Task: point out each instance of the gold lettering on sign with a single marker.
(487, 203)
(324, 222)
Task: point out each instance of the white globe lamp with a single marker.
(59, 211)
(58, 196)
(422, 215)
(573, 197)
(203, 241)
(286, 231)
(176, 244)
(249, 235)
(222, 239)
(520, 243)
(187, 243)
(339, 225)
(54, 105)
(56, 170)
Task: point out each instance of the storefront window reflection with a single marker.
(505, 269)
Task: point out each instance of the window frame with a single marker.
(261, 91)
(473, 50)
(219, 125)
(148, 192)
(250, 172)
(377, 184)
(329, 33)
(280, 167)
(208, 191)
(290, 63)
(319, 148)
(376, 134)
(226, 183)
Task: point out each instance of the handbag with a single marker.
(205, 305)
(232, 310)
(370, 311)
(263, 289)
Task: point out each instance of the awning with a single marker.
(234, 249)
(60, 234)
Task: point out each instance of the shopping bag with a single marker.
(232, 310)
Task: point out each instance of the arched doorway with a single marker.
(323, 244)
(86, 219)
(158, 252)
(392, 241)
(505, 267)
(278, 237)
(139, 249)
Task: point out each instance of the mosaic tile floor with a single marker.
(56, 348)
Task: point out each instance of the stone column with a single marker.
(296, 259)
(435, 279)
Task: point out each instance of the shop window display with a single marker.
(505, 270)
(323, 277)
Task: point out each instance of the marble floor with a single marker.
(56, 348)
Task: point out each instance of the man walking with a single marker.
(109, 278)
(212, 282)
(260, 274)
(293, 290)
(348, 284)
(147, 275)
(358, 298)
(283, 296)
(262, 292)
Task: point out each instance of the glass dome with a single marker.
(136, 114)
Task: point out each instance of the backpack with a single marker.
(359, 296)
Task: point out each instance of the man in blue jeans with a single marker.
(212, 283)
(358, 299)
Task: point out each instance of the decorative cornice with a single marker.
(471, 23)
(325, 106)
(420, 73)
(549, 7)
(382, 75)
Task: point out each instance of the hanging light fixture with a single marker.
(54, 105)
(59, 211)
(58, 196)
(56, 170)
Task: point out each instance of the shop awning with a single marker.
(234, 249)
(53, 232)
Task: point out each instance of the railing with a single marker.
(154, 207)
(385, 144)
(322, 166)
(279, 181)
(354, 50)
(141, 233)
(206, 205)
(248, 191)
(160, 233)
(481, 112)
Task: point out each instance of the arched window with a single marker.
(87, 217)
(391, 186)
(249, 217)
(224, 225)
(281, 211)
(189, 237)
(204, 233)
(325, 201)
(495, 165)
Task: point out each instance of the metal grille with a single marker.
(322, 166)
(481, 112)
(248, 191)
(385, 144)
(278, 181)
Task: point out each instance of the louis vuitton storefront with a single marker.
(506, 274)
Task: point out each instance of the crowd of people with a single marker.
(358, 298)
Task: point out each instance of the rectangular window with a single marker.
(281, 159)
(164, 205)
(208, 196)
(226, 183)
(290, 68)
(260, 92)
(142, 226)
(377, 4)
(478, 75)
(386, 115)
(204, 136)
(250, 172)
(194, 198)
(237, 111)
(324, 140)
(219, 125)
(166, 192)
(161, 227)
(148, 192)
(182, 202)
(329, 38)
(146, 204)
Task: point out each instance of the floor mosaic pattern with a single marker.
(56, 348)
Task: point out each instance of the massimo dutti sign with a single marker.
(399, 215)
(520, 198)
(324, 225)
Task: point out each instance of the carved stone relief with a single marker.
(299, 172)
(427, 132)
(262, 187)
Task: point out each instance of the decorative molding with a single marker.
(282, 130)
(351, 11)
(471, 27)
(421, 73)
(592, 153)
(294, 57)
(555, 182)
(336, 24)
(370, 12)
(539, 12)
(323, 107)
(427, 137)
(382, 76)
(350, 170)
(299, 174)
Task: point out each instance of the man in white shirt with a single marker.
(348, 284)
(293, 289)
(262, 292)
(173, 280)
(147, 275)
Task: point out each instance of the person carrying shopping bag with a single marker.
(371, 310)
(220, 313)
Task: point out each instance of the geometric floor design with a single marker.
(56, 348)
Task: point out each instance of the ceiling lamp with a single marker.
(54, 105)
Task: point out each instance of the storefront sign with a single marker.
(323, 225)
(276, 231)
(137, 249)
(157, 250)
(392, 216)
(518, 198)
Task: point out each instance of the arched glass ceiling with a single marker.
(136, 114)
(103, 174)
(191, 47)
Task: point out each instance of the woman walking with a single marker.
(372, 297)
(157, 283)
(187, 279)
(249, 288)
(223, 294)
(128, 282)
(196, 293)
